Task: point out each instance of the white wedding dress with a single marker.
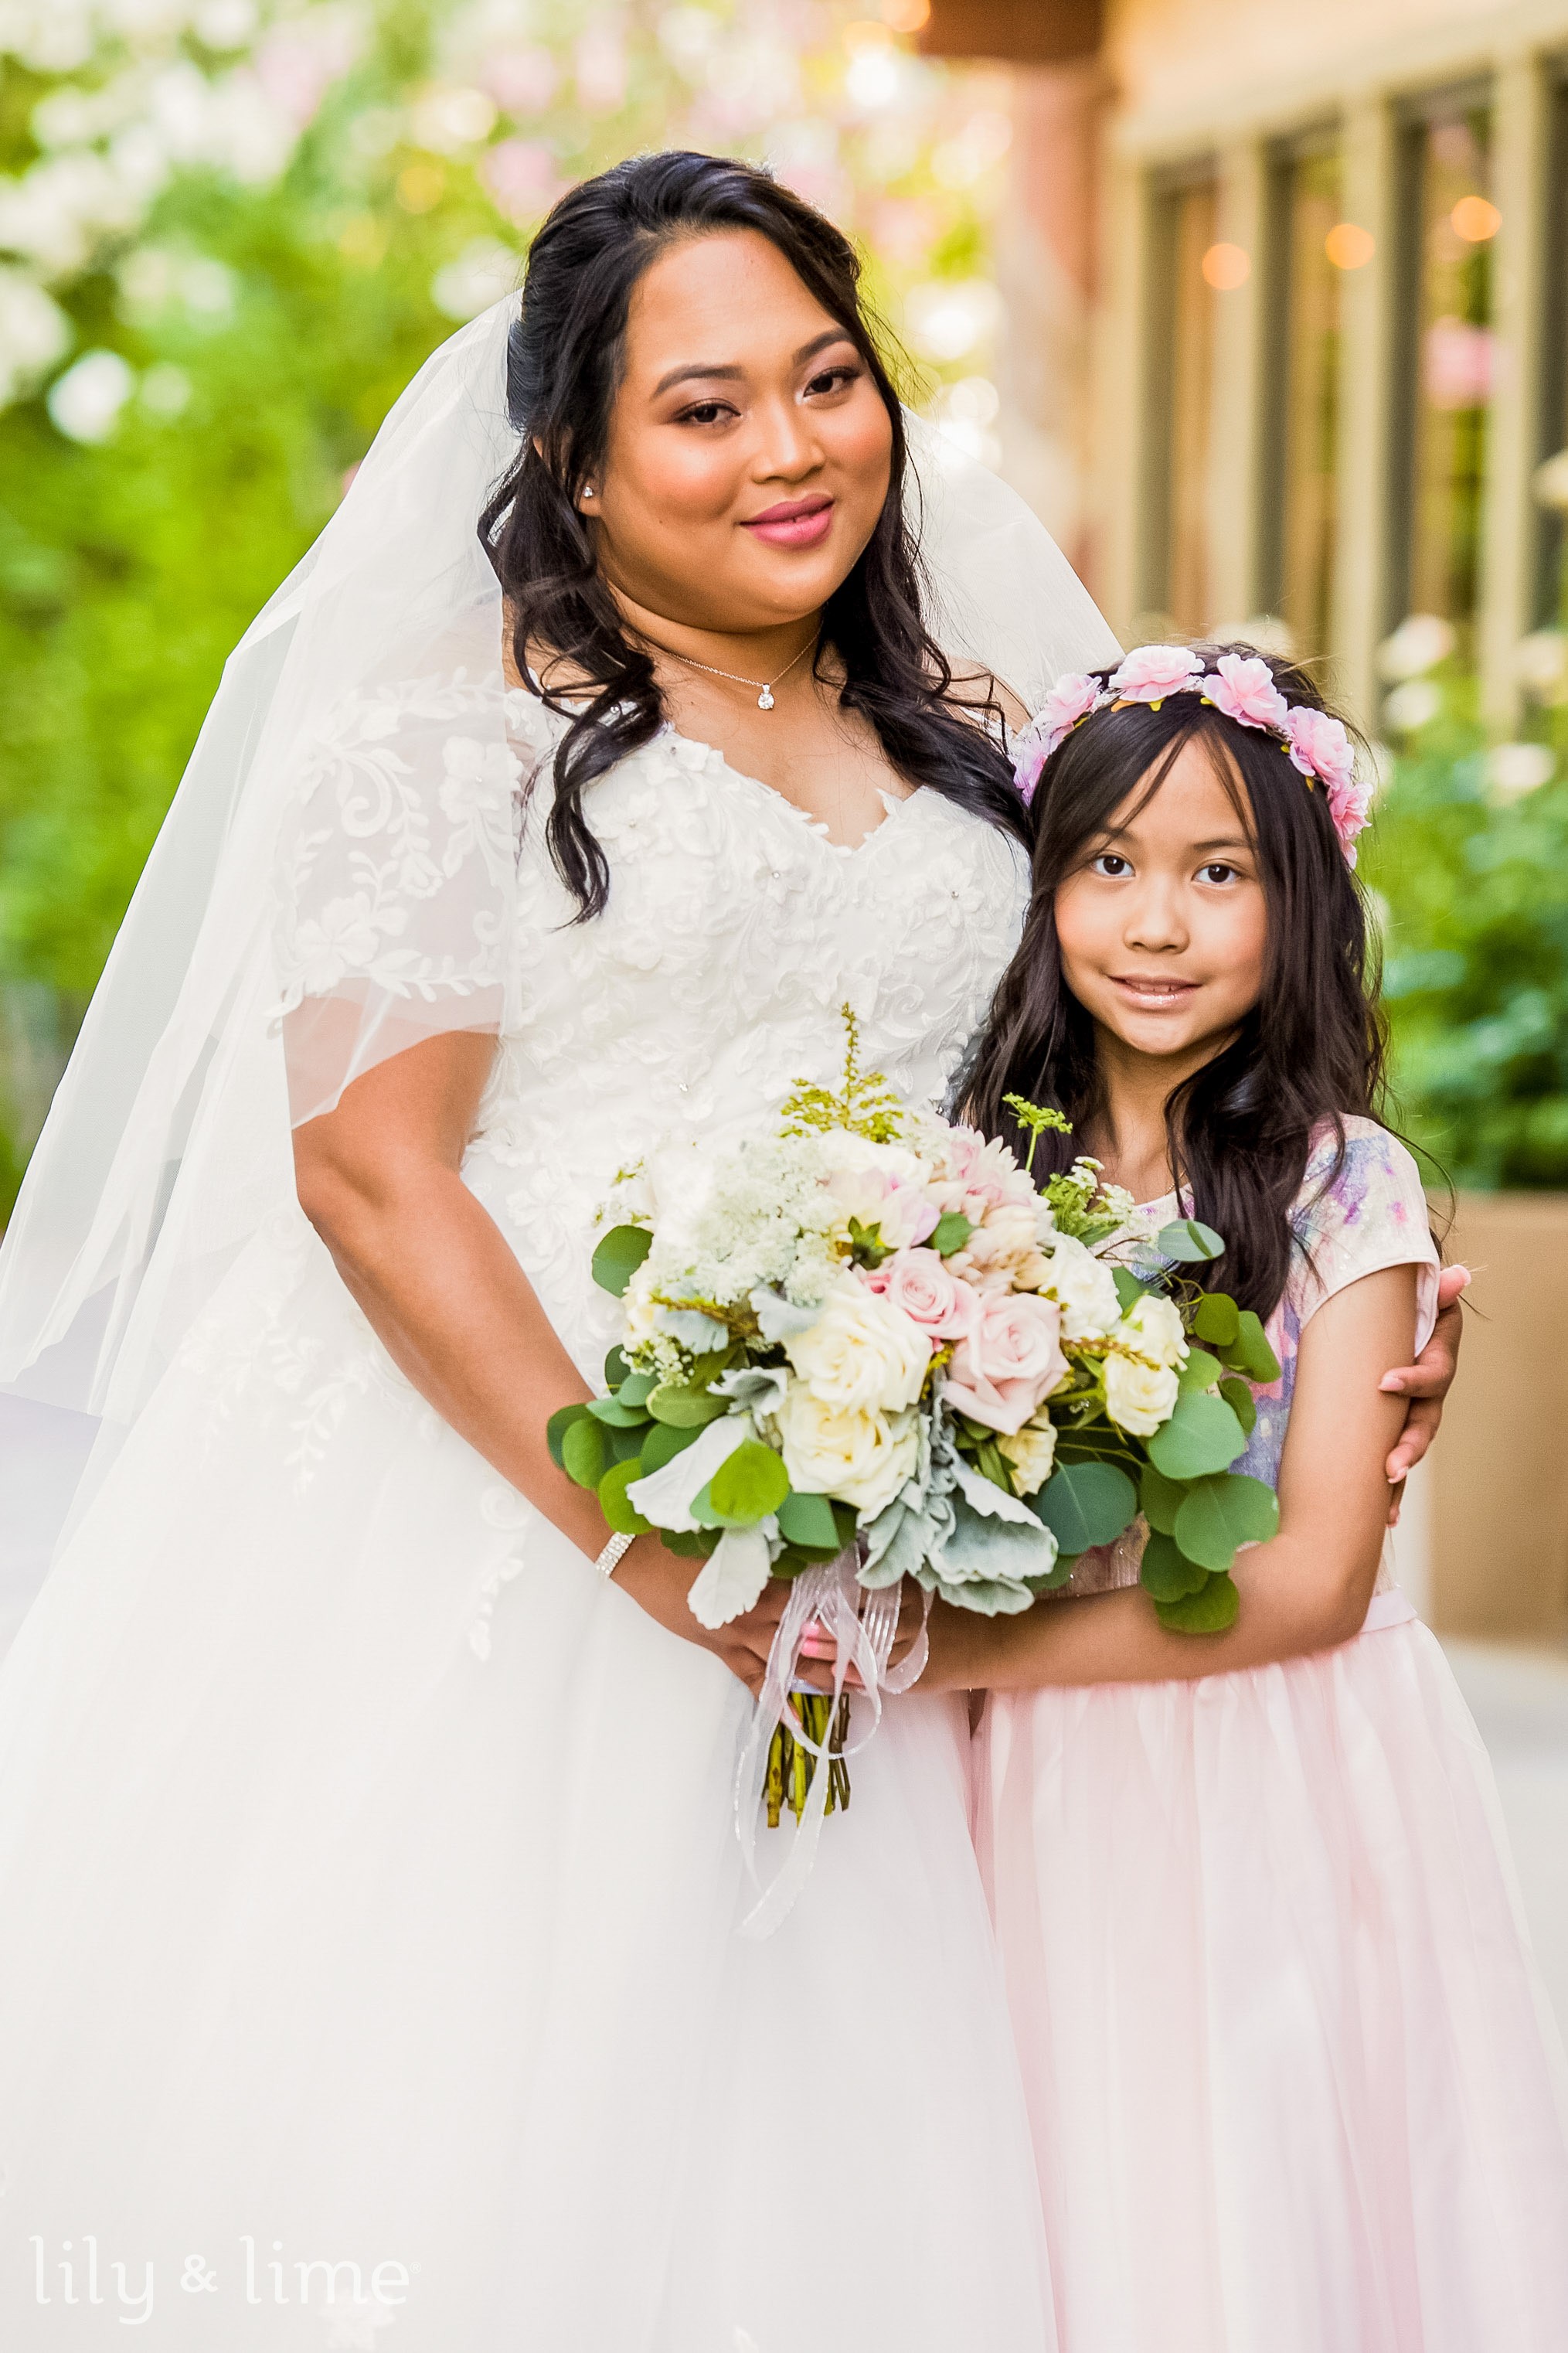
(369, 1881)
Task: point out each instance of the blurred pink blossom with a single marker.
(521, 81)
(521, 176)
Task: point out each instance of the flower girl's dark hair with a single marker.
(1312, 1051)
(563, 364)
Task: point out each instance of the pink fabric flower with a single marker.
(1320, 748)
(1241, 687)
(1071, 699)
(919, 1283)
(1151, 672)
(1010, 1361)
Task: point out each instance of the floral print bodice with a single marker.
(1372, 1214)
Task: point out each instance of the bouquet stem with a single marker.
(791, 1765)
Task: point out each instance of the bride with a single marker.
(368, 1876)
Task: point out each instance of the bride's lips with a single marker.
(794, 523)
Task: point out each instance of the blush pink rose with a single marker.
(1151, 672)
(918, 1281)
(1011, 1361)
(1242, 687)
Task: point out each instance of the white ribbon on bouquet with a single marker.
(862, 1627)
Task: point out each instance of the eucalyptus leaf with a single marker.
(664, 1441)
(1189, 1241)
(1200, 1370)
(1218, 1319)
(1252, 1351)
(635, 1388)
(950, 1233)
(617, 1416)
(556, 1427)
(623, 1517)
(1087, 1504)
(684, 1407)
(1210, 1611)
(689, 1544)
(1218, 1515)
(1202, 1436)
(1159, 1499)
(1056, 1578)
(847, 1520)
(624, 1443)
(1129, 1289)
(583, 1452)
(808, 1520)
(1241, 1401)
(618, 1255)
(749, 1484)
(1166, 1574)
(616, 1368)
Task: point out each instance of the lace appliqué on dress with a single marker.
(396, 867)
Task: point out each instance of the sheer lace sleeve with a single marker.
(396, 876)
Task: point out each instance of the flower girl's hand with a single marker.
(1427, 1383)
(659, 1581)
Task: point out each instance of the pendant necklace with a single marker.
(765, 698)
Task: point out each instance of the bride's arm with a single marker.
(378, 1178)
(1305, 1590)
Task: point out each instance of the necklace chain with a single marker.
(765, 698)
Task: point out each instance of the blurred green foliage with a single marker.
(1475, 972)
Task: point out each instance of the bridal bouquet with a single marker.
(862, 1344)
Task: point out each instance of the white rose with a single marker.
(863, 1458)
(862, 1354)
(1153, 1328)
(1081, 1285)
(1031, 1451)
(1139, 1397)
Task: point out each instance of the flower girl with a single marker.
(1293, 2085)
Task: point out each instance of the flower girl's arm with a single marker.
(1304, 1591)
(379, 1180)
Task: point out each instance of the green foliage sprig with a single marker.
(865, 1105)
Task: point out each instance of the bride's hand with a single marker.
(659, 1581)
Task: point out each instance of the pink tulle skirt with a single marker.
(1292, 2080)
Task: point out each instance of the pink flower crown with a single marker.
(1240, 687)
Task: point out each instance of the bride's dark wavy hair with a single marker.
(563, 366)
(1312, 1049)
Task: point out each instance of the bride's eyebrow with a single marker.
(731, 372)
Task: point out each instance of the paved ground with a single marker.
(1520, 1700)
